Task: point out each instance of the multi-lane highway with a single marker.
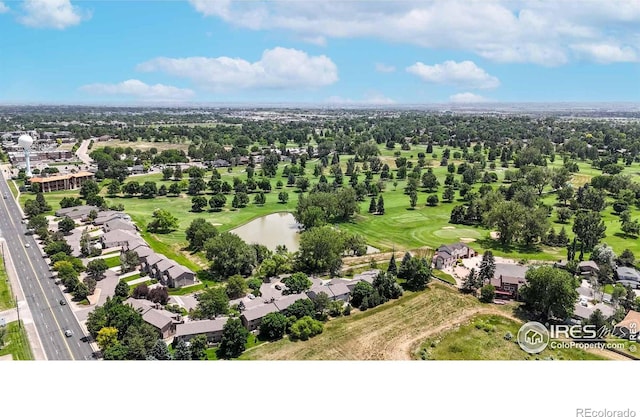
(43, 295)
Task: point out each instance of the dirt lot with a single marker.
(391, 331)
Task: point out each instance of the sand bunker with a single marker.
(467, 239)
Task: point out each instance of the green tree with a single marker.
(413, 198)
(217, 201)
(487, 293)
(380, 206)
(372, 205)
(234, 339)
(417, 273)
(589, 228)
(160, 351)
(66, 225)
(321, 250)
(129, 260)
(114, 188)
(163, 222)
(507, 217)
(392, 269)
(148, 189)
(198, 203)
(212, 302)
(487, 268)
(283, 196)
(296, 283)
(549, 292)
(107, 337)
(361, 291)
(236, 287)
(96, 268)
(122, 289)
(472, 282)
(182, 351)
(230, 255)
(198, 347)
(305, 328)
(273, 326)
(198, 232)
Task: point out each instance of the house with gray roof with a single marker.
(286, 301)
(124, 238)
(150, 261)
(143, 251)
(178, 276)
(447, 255)
(628, 276)
(76, 213)
(158, 268)
(105, 216)
(212, 329)
(251, 318)
(164, 321)
(508, 279)
(119, 224)
(588, 268)
(367, 276)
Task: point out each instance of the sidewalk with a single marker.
(23, 308)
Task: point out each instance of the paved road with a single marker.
(42, 294)
(83, 152)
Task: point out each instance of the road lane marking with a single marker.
(40, 285)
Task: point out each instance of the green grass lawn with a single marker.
(113, 261)
(6, 298)
(131, 278)
(13, 188)
(16, 343)
(484, 339)
(252, 341)
(443, 276)
(400, 227)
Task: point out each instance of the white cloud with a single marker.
(537, 31)
(606, 53)
(278, 68)
(467, 98)
(3, 8)
(462, 74)
(380, 67)
(56, 14)
(140, 90)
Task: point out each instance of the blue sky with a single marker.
(334, 52)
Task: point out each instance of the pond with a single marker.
(275, 229)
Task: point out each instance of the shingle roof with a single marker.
(176, 270)
(119, 224)
(286, 301)
(200, 327)
(165, 264)
(157, 319)
(259, 312)
(510, 270)
(117, 236)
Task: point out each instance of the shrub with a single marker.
(305, 328)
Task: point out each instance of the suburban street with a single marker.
(43, 296)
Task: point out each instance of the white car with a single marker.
(26, 245)
(68, 333)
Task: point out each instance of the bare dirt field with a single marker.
(388, 332)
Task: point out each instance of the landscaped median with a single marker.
(6, 298)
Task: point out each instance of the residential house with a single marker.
(219, 163)
(581, 312)
(178, 276)
(76, 213)
(252, 318)
(367, 276)
(628, 276)
(143, 251)
(123, 238)
(447, 255)
(153, 259)
(588, 268)
(158, 269)
(212, 329)
(137, 169)
(107, 215)
(508, 279)
(629, 327)
(119, 224)
(286, 301)
(163, 320)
